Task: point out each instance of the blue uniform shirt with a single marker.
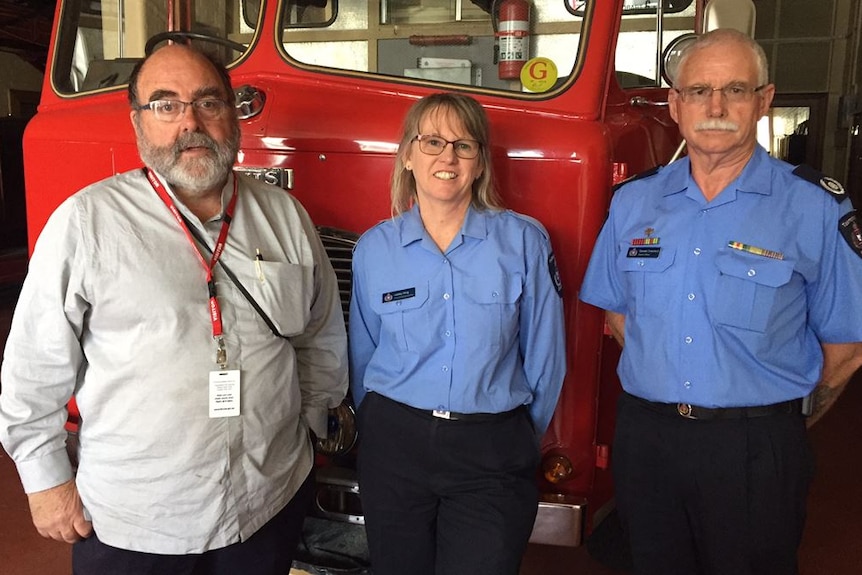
(478, 329)
(726, 302)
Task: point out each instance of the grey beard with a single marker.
(198, 175)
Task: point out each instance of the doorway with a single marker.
(793, 129)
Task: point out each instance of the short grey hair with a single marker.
(728, 35)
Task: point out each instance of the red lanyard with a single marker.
(214, 309)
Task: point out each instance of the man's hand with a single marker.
(840, 362)
(58, 513)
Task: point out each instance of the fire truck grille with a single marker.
(339, 247)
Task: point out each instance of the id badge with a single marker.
(224, 393)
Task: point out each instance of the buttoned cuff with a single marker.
(45, 472)
(316, 419)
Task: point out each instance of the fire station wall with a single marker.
(814, 48)
(18, 75)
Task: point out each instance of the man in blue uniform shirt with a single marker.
(734, 283)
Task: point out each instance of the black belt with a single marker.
(454, 415)
(474, 417)
(689, 411)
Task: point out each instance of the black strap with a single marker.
(235, 280)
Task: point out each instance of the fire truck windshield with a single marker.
(520, 47)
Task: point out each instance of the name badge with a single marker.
(399, 295)
(224, 393)
(643, 252)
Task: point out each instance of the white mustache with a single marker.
(716, 124)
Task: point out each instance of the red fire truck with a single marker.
(573, 90)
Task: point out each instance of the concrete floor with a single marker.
(831, 545)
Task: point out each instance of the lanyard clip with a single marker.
(221, 353)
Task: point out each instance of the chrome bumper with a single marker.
(560, 521)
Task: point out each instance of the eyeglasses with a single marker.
(434, 146)
(173, 110)
(734, 93)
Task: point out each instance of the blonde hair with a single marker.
(472, 115)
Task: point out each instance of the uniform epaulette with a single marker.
(832, 186)
(646, 174)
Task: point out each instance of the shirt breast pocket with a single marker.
(747, 289)
(491, 308)
(648, 281)
(284, 292)
(403, 322)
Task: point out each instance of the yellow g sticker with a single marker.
(539, 74)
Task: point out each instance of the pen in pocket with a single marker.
(257, 259)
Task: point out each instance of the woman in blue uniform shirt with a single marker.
(457, 356)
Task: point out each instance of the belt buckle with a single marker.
(441, 414)
(685, 410)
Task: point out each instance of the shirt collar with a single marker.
(226, 194)
(753, 179)
(412, 229)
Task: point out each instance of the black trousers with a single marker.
(445, 497)
(718, 497)
(269, 551)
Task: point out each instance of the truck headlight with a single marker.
(340, 432)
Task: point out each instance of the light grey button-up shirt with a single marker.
(115, 311)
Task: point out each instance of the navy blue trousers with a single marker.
(718, 497)
(445, 497)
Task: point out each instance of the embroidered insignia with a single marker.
(832, 186)
(555, 274)
(399, 295)
(851, 229)
(755, 250)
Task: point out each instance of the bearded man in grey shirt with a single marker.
(124, 308)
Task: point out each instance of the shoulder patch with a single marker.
(555, 274)
(851, 229)
(832, 186)
(640, 176)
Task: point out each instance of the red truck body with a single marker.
(333, 131)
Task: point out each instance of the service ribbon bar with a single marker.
(756, 250)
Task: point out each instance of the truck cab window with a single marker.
(99, 41)
(476, 43)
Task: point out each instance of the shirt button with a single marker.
(687, 384)
(697, 251)
(691, 297)
(445, 296)
(494, 294)
(445, 368)
(448, 333)
(640, 263)
(688, 339)
(751, 273)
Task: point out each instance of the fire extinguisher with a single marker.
(513, 37)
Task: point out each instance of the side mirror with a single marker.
(738, 14)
